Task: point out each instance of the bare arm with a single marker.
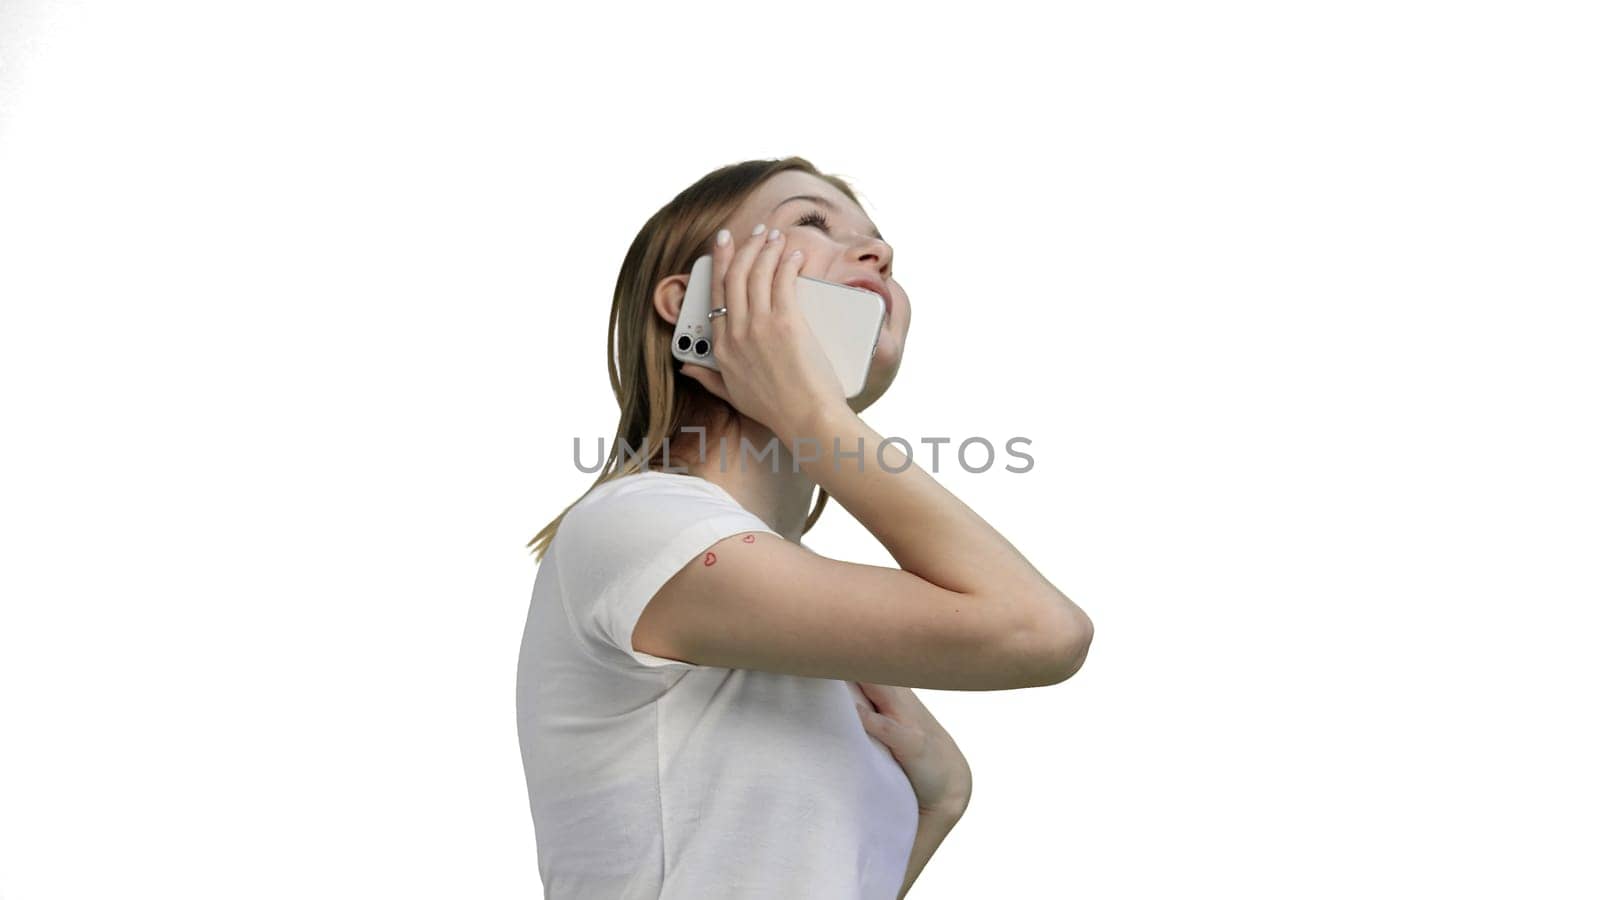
(931, 830)
(931, 533)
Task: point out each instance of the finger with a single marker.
(870, 721)
(886, 728)
(758, 293)
(883, 696)
(721, 257)
(737, 278)
(873, 692)
(784, 287)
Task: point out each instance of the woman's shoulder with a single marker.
(650, 500)
(653, 483)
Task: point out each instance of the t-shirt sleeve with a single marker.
(617, 550)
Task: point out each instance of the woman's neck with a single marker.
(758, 471)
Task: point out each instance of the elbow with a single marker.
(1066, 646)
(1078, 648)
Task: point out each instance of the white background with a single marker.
(305, 301)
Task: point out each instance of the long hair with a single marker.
(654, 399)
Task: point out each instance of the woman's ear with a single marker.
(668, 299)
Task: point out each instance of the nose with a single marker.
(875, 251)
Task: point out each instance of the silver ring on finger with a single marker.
(719, 311)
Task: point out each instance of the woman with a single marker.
(706, 707)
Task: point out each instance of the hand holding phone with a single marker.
(766, 355)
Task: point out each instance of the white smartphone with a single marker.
(846, 320)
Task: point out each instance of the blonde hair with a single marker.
(654, 399)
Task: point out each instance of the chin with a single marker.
(885, 365)
(886, 358)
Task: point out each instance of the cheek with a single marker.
(902, 304)
(819, 253)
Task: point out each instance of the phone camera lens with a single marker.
(684, 341)
(702, 347)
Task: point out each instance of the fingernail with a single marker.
(759, 229)
(723, 237)
(774, 234)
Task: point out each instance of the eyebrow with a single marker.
(825, 202)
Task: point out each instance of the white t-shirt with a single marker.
(656, 778)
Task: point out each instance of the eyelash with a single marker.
(813, 218)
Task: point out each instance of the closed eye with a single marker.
(813, 218)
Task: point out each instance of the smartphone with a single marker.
(846, 320)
